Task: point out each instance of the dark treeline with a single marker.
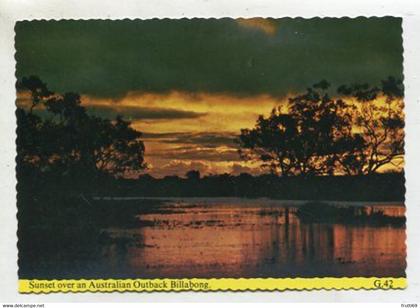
(375, 187)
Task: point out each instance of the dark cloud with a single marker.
(192, 153)
(142, 113)
(110, 58)
(209, 140)
(163, 136)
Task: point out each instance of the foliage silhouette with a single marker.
(68, 141)
(63, 155)
(193, 175)
(381, 125)
(318, 135)
(301, 138)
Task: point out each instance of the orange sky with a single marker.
(184, 131)
(200, 138)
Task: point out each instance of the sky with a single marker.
(191, 85)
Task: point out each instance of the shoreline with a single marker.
(250, 201)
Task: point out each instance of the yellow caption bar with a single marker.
(223, 284)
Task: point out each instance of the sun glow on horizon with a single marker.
(184, 131)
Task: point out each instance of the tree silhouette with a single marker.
(193, 175)
(301, 138)
(38, 89)
(378, 117)
(318, 135)
(58, 135)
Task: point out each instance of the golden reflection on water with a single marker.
(233, 240)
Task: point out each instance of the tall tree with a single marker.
(379, 124)
(301, 138)
(58, 135)
(358, 133)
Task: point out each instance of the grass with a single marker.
(319, 212)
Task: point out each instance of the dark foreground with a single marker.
(215, 237)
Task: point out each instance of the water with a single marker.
(252, 238)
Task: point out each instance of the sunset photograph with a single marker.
(210, 148)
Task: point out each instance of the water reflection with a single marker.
(199, 239)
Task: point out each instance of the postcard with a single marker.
(210, 154)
